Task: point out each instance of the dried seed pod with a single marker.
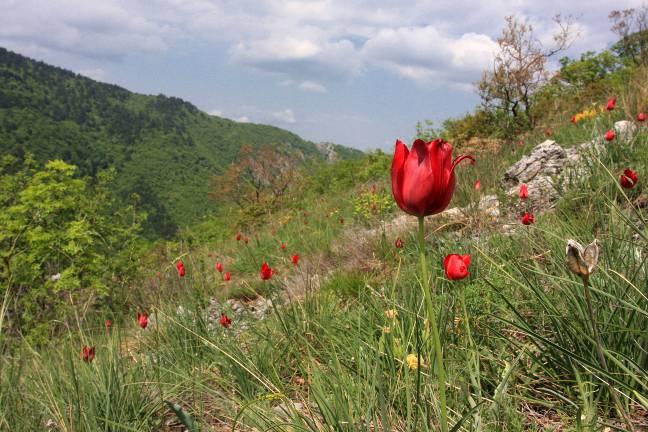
(582, 260)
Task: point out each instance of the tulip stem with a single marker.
(438, 350)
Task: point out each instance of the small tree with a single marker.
(259, 178)
(520, 69)
(631, 25)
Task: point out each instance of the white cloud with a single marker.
(286, 116)
(217, 113)
(312, 86)
(242, 119)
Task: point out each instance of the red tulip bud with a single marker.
(399, 243)
(610, 135)
(456, 266)
(477, 185)
(641, 117)
(238, 237)
(181, 268)
(524, 191)
(266, 271)
(611, 104)
(573, 119)
(225, 321)
(528, 218)
(295, 259)
(108, 324)
(88, 354)
(629, 178)
(219, 267)
(283, 246)
(142, 319)
(227, 276)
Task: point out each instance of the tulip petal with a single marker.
(418, 179)
(466, 259)
(400, 155)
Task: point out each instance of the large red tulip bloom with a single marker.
(641, 117)
(423, 179)
(142, 319)
(295, 259)
(181, 268)
(456, 266)
(611, 104)
(610, 135)
(629, 178)
(219, 267)
(227, 276)
(225, 321)
(88, 353)
(528, 218)
(266, 271)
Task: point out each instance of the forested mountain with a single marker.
(164, 149)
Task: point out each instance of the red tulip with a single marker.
(225, 321)
(399, 243)
(283, 246)
(477, 185)
(142, 319)
(456, 266)
(524, 191)
(295, 259)
(108, 324)
(219, 267)
(88, 353)
(423, 180)
(641, 117)
(181, 268)
(610, 135)
(629, 178)
(611, 104)
(238, 237)
(227, 276)
(573, 119)
(266, 271)
(528, 218)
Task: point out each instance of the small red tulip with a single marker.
(238, 237)
(610, 135)
(219, 267)
(548, 132)
(423, 179)
(528, 218)
(295, 259)
(524, 191)
(283, 246)
(266, 271)
(181, 268)
(611, 104)
(225, 321)
(108, 324)
(641, 117)
(142, 319)
(88, 353)
(456, 266)
(478, 185)
(629, 178)
(573, 119)
(399, 243)
(227, 276)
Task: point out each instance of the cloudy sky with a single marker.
(355, 72)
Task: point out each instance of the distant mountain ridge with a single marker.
(165, 149)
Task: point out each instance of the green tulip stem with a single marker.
(438, 351)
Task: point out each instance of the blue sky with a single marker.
(355, 72)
